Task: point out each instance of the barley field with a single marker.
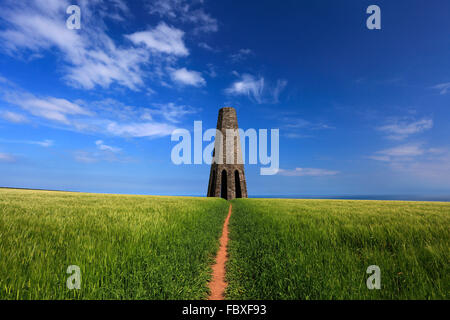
(320, 249)
(127, 247)
(150, 247)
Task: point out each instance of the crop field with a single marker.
(320, 249)
(127, 247)
(149, 247)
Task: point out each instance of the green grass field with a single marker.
(146, 247)
(127, 247)
(320, 249)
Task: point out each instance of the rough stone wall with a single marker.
(227, 119)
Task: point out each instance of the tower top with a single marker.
(227, 119)
(227, 108)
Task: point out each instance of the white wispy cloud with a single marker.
(249, 86)
(5, 157)
(399, 153)
(172, 112)
(256, 88)
(14, 117)
(187, 77)
(241, 55)
(434, 170)
(51, 108)
(163, 38)
(294, 135)
(85, 157)
(206, 46)
(89, 57)
(203, 22)
(211, 70)
(45, 143)
(113, 109)
(401, 129)
(408, 153)
(140, 129)
(108, 116)
(90, 156)
(443, 88)
(293, 126)
(307, 172)
(185, 11)
(103, 152)
(103, 147)
(276, 91)
(300, 123)
(417, 161)
(116, 10)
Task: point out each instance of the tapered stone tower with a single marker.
(227, 178)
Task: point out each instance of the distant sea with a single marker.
(445, 198)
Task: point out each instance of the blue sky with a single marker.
(359, 111)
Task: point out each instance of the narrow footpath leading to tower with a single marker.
(217, 285)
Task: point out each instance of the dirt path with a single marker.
(217, 284)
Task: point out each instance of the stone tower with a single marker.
(227, 178)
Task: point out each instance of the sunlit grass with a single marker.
(145, 247)
(320, 249)
(128, 247)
